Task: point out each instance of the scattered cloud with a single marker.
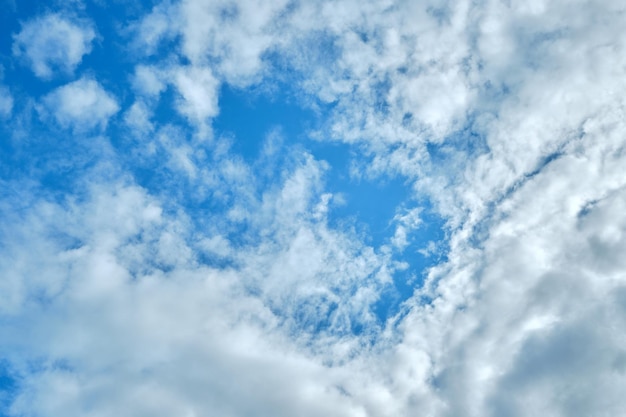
(180, 276)
(81, 105)
(148, 81)
(53, 43)
(198, 89)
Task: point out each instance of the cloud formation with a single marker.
(53, 43)
(82, 104)
(166, 272)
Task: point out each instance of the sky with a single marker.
(356, 208)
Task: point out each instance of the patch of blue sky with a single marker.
(368, 204)
(428, 246)
(48, 159)
(249, 116)
(372, 202)
(13, 14)
(8, 388)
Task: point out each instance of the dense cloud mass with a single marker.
(150, 266)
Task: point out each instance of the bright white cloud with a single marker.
(155, 28)
(82, 105)
(157, 319)
(53, 43)
(508, 117)
(198, 89)
(406, 222)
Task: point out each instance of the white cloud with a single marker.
(148, 80)
(406, 222)
(155, 27)
(507, 116)
(137, 117)
(232, 36)
(82, 105)
(53, 43)
(198, 89)
(518, 315)
(161, 323)
(246, 31)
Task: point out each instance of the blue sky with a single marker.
(340, 208)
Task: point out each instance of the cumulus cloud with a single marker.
(138, 116)
(148, 80)
(52, 43)
(507, 118)
(197, 87)
(159, 316)
(83, 104)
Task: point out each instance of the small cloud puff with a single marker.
(198, 89)
(148, 81)
(53, 42)
(82, 105)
